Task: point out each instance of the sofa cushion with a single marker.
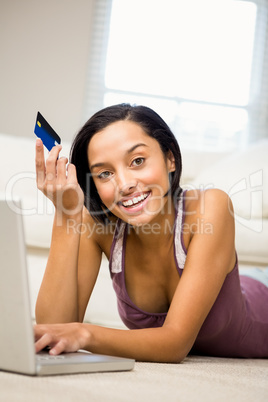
(244, 176)
(251, 241)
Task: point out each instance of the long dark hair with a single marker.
(152, 124)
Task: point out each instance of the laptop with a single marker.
(17, 352)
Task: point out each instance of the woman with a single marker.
(172, 254)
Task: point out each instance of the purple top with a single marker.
(237, 324)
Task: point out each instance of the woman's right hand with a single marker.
(58, 182)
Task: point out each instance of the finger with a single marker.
(59, 348)
(44, 341)
(71, 176)
(51, 162)
(39, 162)
(61, 168)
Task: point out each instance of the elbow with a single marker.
(172, 353)
(178, 359)
(175, 357)
(176, 347)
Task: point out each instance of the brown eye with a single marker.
(104, 175)
(138, 161)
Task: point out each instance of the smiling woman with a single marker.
(140, 137)
(171, 253)
(131, 182)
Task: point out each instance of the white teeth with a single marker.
(135, 200)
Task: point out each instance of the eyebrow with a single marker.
(136, 146)
(127, 152)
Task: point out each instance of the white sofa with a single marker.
(244, 176)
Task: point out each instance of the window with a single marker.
(199, 64)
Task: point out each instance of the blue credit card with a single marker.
(44, 131)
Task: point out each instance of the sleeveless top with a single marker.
(237, 324)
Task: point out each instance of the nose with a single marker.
(125, 182)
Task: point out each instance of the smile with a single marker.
(135, 200)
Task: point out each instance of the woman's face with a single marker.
(130, 171)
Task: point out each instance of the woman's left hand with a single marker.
(68, 337)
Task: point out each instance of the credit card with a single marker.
(44, 131)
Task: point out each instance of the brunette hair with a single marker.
(152, 124)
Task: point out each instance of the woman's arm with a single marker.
(62, 295)
(210, 257)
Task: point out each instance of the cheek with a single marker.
(107, 193)
(157, 175)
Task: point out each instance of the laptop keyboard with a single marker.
(50, 357)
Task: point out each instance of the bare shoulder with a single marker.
(208, 203)
(209, 212)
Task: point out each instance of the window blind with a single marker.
(258, 107)
(95, 87)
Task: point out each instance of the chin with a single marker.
(143, 218)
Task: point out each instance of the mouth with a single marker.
(136, 203)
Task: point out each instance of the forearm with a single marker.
(58, 299)
(152, 344)
(165, 344)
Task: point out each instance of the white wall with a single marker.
(44, 50)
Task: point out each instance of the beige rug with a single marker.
(196, 379)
